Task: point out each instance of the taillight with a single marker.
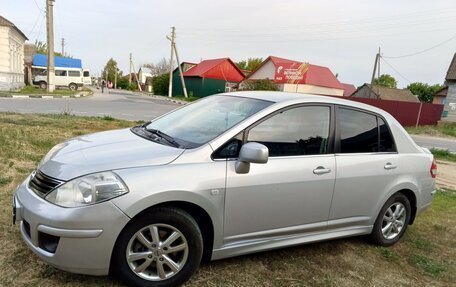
(433, 169)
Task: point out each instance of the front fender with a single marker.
(201, 184)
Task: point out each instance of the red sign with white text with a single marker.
(290, 73)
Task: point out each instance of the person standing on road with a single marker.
(103, 85)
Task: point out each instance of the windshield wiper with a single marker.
(164, 136)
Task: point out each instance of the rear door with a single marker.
(292, 192)
(367, 164)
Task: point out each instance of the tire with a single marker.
(392, 221)
(144, 269)
(43, 85)
(73, 86)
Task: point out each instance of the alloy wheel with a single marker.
(394, 220)
(157, 252)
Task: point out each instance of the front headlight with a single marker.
(89, 189)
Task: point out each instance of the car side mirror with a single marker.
(251, 153)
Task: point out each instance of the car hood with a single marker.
(104, 151)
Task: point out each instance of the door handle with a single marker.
(321, 170)
(389, 166)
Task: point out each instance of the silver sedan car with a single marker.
(227, 175)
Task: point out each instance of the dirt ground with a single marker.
(446, 177)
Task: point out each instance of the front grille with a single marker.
(42, 184)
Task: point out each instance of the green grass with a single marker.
(443, 154)
(424, 257)
(441, 129)
(32, 90)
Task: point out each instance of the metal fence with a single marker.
(407, 113)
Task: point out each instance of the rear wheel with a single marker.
(393, 220)
(43, 85)
(161, 248)
(73, 86)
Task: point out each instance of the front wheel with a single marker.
(43, 85)
(73, 86)
(161, 248)
(392, 221)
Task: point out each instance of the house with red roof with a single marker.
(208, 77)
(298, 77)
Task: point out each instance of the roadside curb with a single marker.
(168, 99)
(78, 95)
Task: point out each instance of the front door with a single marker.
(292, 192)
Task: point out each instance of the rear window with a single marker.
(386, 139)
(362, 132)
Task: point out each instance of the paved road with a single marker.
(118, 104)
(128, 106)
(434, 142)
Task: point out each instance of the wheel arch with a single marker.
(202, 218)
(199, 214)
(410, 190)
(411, 196)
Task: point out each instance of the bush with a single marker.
(125, 85)
(160, 84)
(259, 85)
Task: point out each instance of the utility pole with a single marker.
(50, 45)
(171, 62)
(129, 75)
(377, 60)
(115, 77)
(134, 71)
(63, 47)
(180, 71)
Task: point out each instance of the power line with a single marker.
(38, 6)
(422, 51)
(394, 69)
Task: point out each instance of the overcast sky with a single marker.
(342, 35)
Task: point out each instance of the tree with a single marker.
(424, 91)
(259, 85)
(160, 84)
(161, 67)
(251, 64)
(41, 48)
(386, 80)
(110, 70)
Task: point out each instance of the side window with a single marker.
(358, 131)
(230, 149)
(86, 74)
(297, 131)
(74, 73)
(60, 73)
(386, 139)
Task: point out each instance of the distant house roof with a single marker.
(442, 92)
(451, 73)
(41, 61)
(294, 72)
(349, 89)
(185, 66)
(221, 69)
(385, 93)
(7, 23)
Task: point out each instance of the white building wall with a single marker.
(11, 59)
(310, 89)
(266, 71)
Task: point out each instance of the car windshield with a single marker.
(202, 121)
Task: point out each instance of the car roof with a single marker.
(296, 98)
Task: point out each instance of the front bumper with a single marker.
(78, 240)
